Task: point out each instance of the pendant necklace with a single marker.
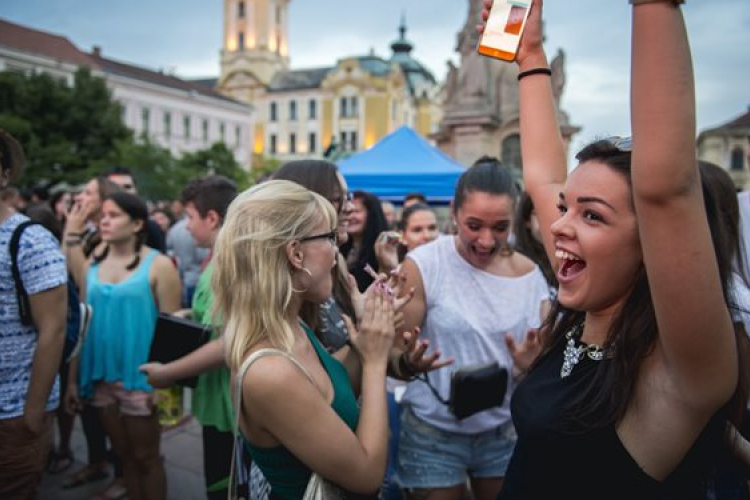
(574, 353)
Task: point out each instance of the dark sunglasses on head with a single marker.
(333, 237)
(621, 144)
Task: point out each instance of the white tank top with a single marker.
(468, 313)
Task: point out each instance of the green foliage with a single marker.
(66, 131)
(153, 168)
(217, 159)
(263, 168)
(73, 133)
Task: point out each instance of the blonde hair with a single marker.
(251, 275)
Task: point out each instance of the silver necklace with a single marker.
(574, 353)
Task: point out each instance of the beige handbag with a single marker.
(317, 488)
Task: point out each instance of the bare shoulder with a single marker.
(520, 265)
(272, 375)
(162, 263)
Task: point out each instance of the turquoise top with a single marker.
(122, 327)
(286, 474)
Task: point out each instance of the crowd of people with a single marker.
(611, 304)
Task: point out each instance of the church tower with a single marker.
(255, 47)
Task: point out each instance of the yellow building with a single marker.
(303, 112)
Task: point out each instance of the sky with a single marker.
(185, 36)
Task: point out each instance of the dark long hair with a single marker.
(486, 175)
(137, 210)
(526, 243)
(374, 225)
(320, 177)
(633, 332)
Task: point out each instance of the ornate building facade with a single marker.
(480, 102)
(304, 112)
(728, 146)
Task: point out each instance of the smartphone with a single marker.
(504, 28)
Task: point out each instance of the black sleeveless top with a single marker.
(554, 459)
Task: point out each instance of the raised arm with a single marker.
(542, 148)
(695, 331)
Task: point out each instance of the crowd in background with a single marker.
(338, 320)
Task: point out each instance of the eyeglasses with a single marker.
(339, 202)
(333, 237)
(621, 144)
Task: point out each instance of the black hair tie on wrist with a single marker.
(535, 71)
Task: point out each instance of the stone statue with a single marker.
(468, 36)
(451, 83)
(474, 77)
(558, 75)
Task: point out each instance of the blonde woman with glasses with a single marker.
(299, 411)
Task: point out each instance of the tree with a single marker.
(263, 168)
(153, 167)
(217, 159)
(67, 132)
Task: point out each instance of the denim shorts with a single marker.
(131, 403)
(429, 457)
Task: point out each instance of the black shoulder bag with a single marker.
(473, 389)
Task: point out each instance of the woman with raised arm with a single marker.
(127, 284)
(640, 360)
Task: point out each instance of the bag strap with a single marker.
(424, 378)
(260, 353)
(24, 308)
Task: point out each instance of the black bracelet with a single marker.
(535, 71)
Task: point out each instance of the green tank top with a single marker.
(286, 474)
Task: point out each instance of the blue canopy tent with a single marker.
(401, 163)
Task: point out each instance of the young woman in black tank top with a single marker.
(640, 355)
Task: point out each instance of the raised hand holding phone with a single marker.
(530, 51)
(503, 30)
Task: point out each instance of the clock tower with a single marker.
(255, 46)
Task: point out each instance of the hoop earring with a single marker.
(304, 270)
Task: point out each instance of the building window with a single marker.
(737, 162)
(222, 132)
(237, 135)
(272, 112)
(355, 106)
(354, 142)
(292, 143)
(241, 40)
(312, 109)
(205, 130)
(145, 119)
(512, 153)
(186, 126)
(311, 142)
(167, 124)
(292, 110)
(241, 10)
(272, 144)
(344, 104)
(342, 143)
(393, 109)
